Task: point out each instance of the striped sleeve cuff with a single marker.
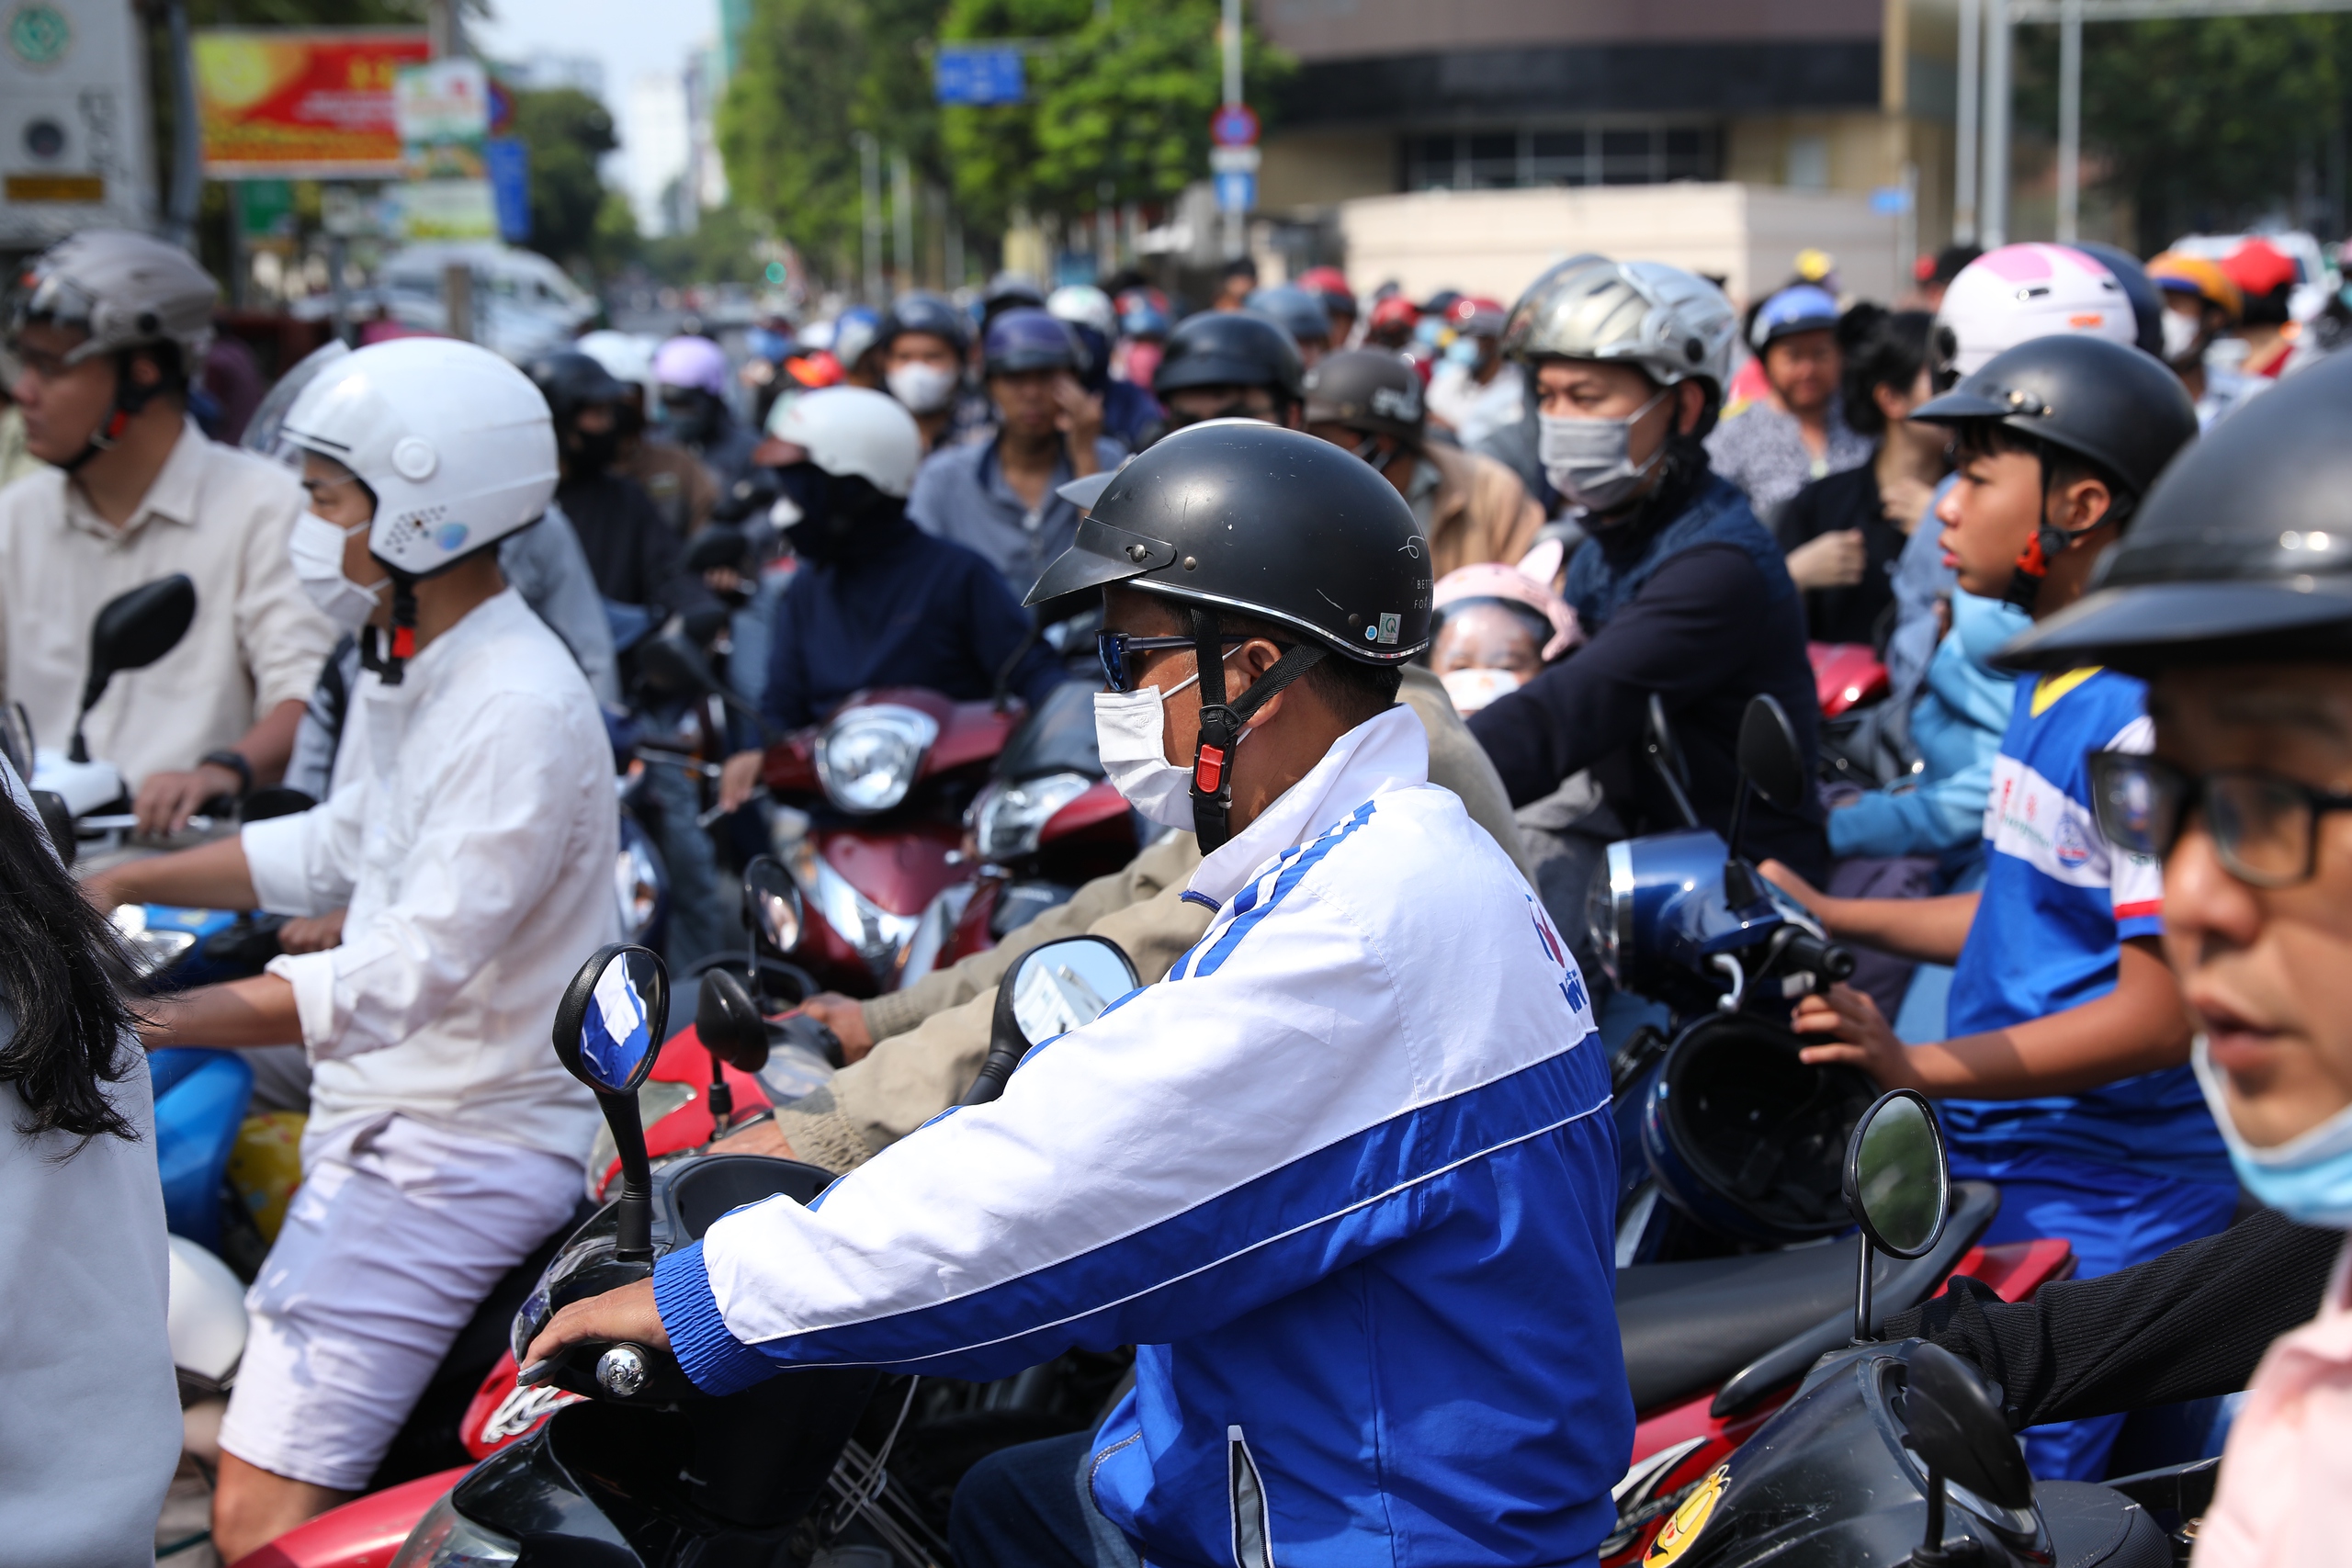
(715, 1359)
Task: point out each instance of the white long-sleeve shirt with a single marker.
(471, 835)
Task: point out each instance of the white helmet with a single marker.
(1673, 325)
(1082, 304)
(2020, 292)
(456, 443)
(849, 430)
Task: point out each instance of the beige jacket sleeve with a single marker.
(284, 638)
(940, 1025)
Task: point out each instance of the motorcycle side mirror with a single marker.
(772, 906)
(1772, 765)
(1051, 990)
(132, 631)
(727, 1022)
(607, 1035)
(1955, 1426)
(1666, 757)
(1897, 1185)
(671, 665)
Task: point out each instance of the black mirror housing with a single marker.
(1770, 757)
(1956, 1425)
(132, 631)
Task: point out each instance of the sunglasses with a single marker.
(2264, 827)
(1118, 650)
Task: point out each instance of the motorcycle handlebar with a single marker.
(1829, 960)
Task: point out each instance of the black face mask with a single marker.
(844, 519)
(692, 417)
(592, 451)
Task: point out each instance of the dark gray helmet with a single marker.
(1368, 390)
(1229, 348)
(2242, 553)
(2147, 299)
(1236, 515)
(570, 382)
(925, 313)
(2114, 405)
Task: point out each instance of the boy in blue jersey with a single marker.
(2064, 1080)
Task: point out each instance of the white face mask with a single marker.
(924, 389)
(2181, 332)
(316, 545)
(1591, 461)
(1128, 731)
(1474, 689)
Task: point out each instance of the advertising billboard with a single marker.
(310, 103)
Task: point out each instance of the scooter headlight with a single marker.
(1007, 819)
(447, 1539)
(1609, 911)
(868, 758)
(153, 949)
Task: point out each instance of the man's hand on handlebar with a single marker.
(311, 934)
(1859, 1035)
(845, 1018)
(760, 1138)
(167, 800)
(625, 1314)
(739, 779)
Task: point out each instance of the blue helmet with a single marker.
(921, 311)
(1302, 314)
(1026, 338)
(1800, 308)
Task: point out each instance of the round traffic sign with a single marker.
(1234, 125)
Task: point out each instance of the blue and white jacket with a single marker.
(1345, 1179)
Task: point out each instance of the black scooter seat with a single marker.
(1686, 1326)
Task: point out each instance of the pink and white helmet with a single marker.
(2007, 297)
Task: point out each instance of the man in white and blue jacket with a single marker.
(1345, 1179)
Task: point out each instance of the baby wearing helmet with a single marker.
(471, 835)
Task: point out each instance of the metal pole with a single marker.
(869, 210)
(1236, 241)
(187, 150)
(1965, 128)
(955, 279)
(902, 220)
(1993, 222)
(440, 29)
(2069, 118)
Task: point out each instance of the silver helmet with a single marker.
(1671, 324)
(124, 289)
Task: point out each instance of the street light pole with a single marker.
(869, 215)
(902, 220)
(1235, 240)
(1965, 128)
(1994, 210)
(2069, 118)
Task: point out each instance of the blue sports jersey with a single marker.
(2058, 902)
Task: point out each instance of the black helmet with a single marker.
(1026, 338)
(1236, 515)
(2147, 300)
(1229, 348)
(1300, 313)
(1368, 390)
(925, 312)
(1009, 291)
(2242, 553)
(2114, 405)
(570, 382)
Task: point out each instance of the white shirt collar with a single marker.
(1387, 752)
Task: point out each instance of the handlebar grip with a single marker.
(1831, 961)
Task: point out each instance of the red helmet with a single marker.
(1476, 316)
(1333, 284)
(2258, 267)
(1395, 311)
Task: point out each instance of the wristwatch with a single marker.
(235, 763)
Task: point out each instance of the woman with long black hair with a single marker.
(91, 1432)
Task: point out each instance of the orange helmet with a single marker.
(2176, 273)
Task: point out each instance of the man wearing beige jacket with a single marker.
(914, 1052)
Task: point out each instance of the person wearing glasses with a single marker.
(2234, 598)
(2063, 1079)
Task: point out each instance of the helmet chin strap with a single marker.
(391, 667)
(129, 400)
(2050, 542)
(1222, 724)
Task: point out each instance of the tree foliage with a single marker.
(1118, 104)
(566, 131)
(2205, 124)
(813, 74)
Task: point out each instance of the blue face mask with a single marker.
(2307, 1179)
(1464, 351)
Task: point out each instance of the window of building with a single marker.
(1560, 155)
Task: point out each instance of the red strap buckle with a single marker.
(403, 642)
(1208, 769)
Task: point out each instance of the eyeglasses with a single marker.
(1117, 648)
(2264, 827)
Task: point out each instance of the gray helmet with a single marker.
(1301, 315)
(1368, 389)
(1671, 324)
(2241, 551)
(126, 290)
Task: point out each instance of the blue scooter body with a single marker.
(201, 1100)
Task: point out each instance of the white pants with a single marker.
(397, 1234)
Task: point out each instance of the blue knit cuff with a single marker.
(715, 1359)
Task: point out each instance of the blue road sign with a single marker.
(509, 165)
(978, 73)
(1236, 191)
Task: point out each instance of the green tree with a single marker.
(814, 74)
(1118, 104)
(566, 131)
(2203, 124)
